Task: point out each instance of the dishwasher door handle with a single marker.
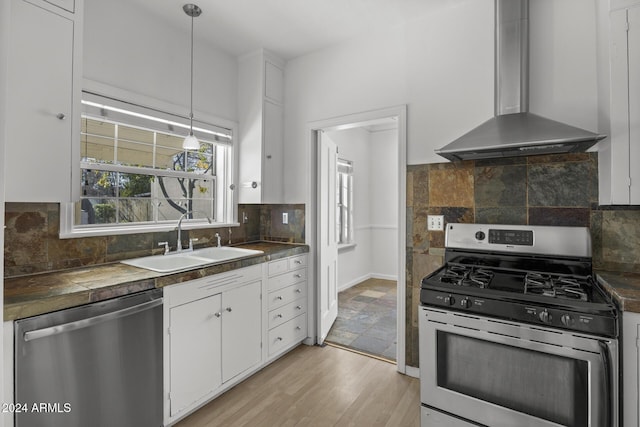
(79, 324)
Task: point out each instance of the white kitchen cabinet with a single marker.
(213, 335)
(241, 329)
(619, 95)
(194, 356)
(286, 304)
(43, 96)
(261, 128)
(630, 369)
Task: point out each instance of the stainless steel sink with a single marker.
(185, 260)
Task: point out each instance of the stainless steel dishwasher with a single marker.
(94, 365)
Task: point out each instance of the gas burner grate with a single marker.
(467, 276)
(556, 287)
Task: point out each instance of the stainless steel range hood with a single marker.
(513, 131)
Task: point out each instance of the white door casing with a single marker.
(328, 245)
(312, 227)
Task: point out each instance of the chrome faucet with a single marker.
(218, 238)
(179, 243)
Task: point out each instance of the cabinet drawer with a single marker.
(297, 262)
(279, 266)
(200, 288)
(286, 295)
(287, 279)
(287, 334)
(287, 312)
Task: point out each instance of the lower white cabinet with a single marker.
(213, 335)
(286, 303)
(241, 330)
(222, 328)
(195, 362)
(630, 369)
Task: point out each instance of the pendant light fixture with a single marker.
(191, 142)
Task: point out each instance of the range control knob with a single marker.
(480, 235)
(544, 316)
(449, 300)
(465, 303)
(566, 320)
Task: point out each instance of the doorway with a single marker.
(369, 258)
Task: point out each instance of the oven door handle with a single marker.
(606, 370)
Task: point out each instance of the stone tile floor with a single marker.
(367, 318)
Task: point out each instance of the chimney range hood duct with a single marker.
(513, 131)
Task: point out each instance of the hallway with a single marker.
(367, 319)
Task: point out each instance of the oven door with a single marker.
(500, 373)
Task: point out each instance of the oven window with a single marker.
(546, 386)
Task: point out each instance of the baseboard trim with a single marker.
(367, 276)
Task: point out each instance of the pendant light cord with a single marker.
(191, 111)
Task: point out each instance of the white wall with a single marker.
(384, 203)
(374, 157)
(128, 48)
(441, 67)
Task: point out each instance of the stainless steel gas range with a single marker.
(514, 331)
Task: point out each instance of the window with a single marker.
(135, 174)
(344, 195)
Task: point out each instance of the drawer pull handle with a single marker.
(297, 276)
(279, 316)
(228, 309)
(279, 298)
(298, 291)
(297, 261)
(61, 116)
(299, 307)
(279, 339)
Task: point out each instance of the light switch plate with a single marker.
(435, 222)
(285, 217)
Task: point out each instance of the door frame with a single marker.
(311, 226)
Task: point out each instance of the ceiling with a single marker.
(288, 28)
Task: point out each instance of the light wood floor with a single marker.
(317, 386)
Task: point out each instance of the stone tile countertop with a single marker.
(27, 296)
(623, 287)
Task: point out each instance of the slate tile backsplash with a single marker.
(32, 244)
(540, 190)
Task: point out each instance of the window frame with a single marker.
(227, 167)
(342, 210)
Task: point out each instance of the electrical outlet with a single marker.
(435, 222)
(285, 218)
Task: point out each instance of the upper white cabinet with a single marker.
(43, 91)
(261, 128)
(68, 5)
(619, 95)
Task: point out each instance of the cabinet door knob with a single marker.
(298, 328)
(61, 116)
(279, 316)
(299, 307)
(268, 156)
(298, 291)
(279, 339)
(297, 276)
(279, 298)
(218, 314)
(228, 309)
(297, 261)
